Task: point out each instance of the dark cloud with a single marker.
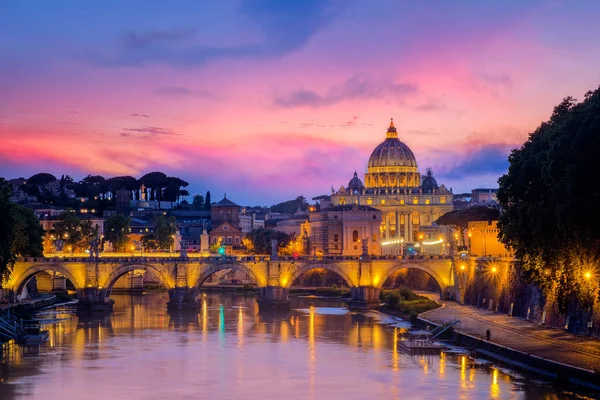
(432, 106)
(179, 91)
(147, 132)
(499, 80)
(134, 40)
(283, 27)
(138, 115)
(355, 88)
(489, 159)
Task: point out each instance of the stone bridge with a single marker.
(94, 278)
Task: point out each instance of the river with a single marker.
(319, 350)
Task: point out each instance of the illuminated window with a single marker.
(442, 199)
(415, 200)
(402, 201)
(369, 200)
(382, 201)
(427, 201)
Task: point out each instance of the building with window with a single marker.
(409, 203)
(341, 230)
(225, 222)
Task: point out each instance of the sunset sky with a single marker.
(267, 100)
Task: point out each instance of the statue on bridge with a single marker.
(182, 248)
(365, 248)
(59, 244)
(94, 249)
(274, 244)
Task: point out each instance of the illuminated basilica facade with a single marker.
(409, 202)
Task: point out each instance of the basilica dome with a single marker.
(392, 165)
(392, 152)
(355, 185)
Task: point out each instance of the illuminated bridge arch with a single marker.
(21, 280)
(260, 281)
(309, 267)
(442, 283)
(114, 276)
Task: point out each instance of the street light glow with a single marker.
(588, 275)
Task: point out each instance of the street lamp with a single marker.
(588, 275)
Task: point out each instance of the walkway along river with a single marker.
(318, 350)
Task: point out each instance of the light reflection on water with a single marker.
(230, 351)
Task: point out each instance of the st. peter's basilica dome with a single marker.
(392, 152)
(392, 164)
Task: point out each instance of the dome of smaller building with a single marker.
(429, 183)
(355, 184)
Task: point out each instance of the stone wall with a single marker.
(496, 285)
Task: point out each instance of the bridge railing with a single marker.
(172, 257)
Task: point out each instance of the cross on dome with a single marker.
(391, 132)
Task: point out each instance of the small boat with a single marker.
(420, 342)
(32, 334)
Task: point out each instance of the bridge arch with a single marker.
(422, 267)
(214, 268)
(309, 267)
(21, 280)
(124, 269)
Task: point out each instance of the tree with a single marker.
(41, 180)
(116, 231)
(459, 219)
(77, 235)
(163, 236)
(207, 202)
(172, 188)
(291, 206)
(7, 223)
(156, 181)
(551, 202)
(260, 240)
(198, 202)
(29, 234)
(20, 232)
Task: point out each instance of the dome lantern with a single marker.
(391, 132)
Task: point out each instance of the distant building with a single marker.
(225, 222)
(249, 222)
(483, 196)
(123, 201)
(484, 240)
(341, 230)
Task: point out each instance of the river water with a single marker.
(319, 350)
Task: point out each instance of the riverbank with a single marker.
(406, 304)
(551, 353)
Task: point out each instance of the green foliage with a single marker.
(29, 234)
(163, 237)
(290, 206)
(405, 302)
(7, 222)
(261, 240)
(551, 201)
(41, 179)
(20, 232)
(75, 233)
(461, 218)
(116, 231)
(198, 202)
(207, 202)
